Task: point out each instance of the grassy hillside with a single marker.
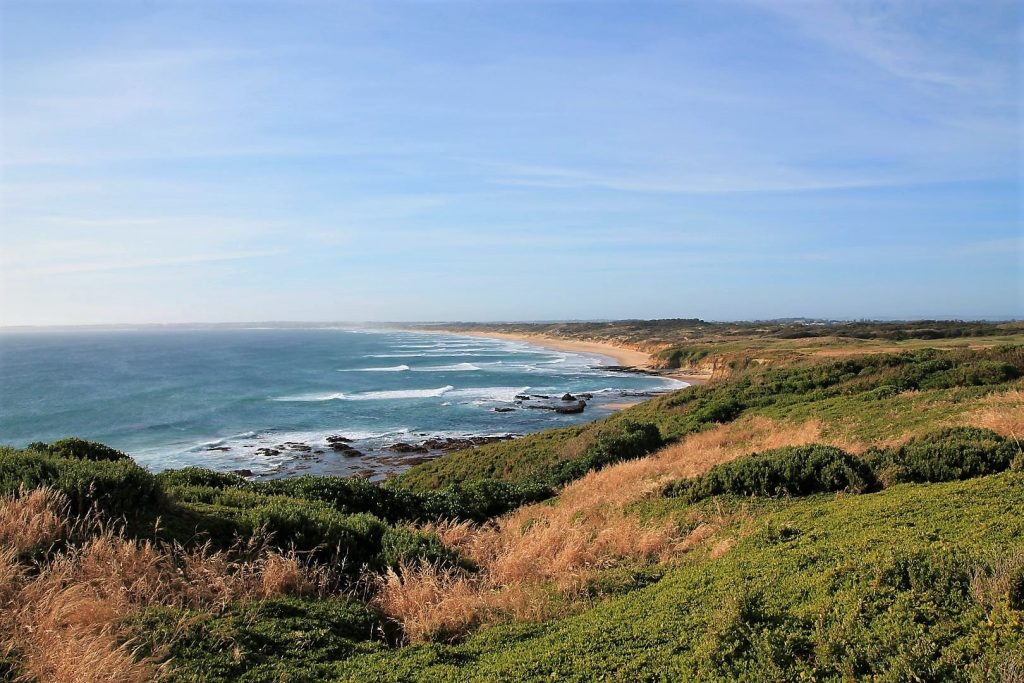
(860, 401)
(849, 518)
(900, 585)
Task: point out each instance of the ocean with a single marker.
(271, 402)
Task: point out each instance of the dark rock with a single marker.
(568, 397)
(336, 438)
(540, 406)
(402, 447)
(242, 473)
(540, 396)
(504, 410)
(587, 396)
(267, 451)
(522, 397)
(218, 448)
(343, 448)
(576, 407)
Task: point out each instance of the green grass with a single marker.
(822, 588)
(825, 587)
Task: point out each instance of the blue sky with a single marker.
(240, 161)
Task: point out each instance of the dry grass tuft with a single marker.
(1002, 413)
(993, 586)
(33, 519)
(64, 616)
(434, 603)
(562, 545)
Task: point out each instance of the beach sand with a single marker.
(623, 356)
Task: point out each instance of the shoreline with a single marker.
(625, 357)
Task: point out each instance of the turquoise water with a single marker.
(214, 397)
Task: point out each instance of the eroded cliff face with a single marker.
(711, 365)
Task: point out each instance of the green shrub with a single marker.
(794, 470)
(980, 373)
(946, 455)
(401, 544)
(347, 494)
(118, 487)
(281, 639)
(199, 476)
(479, 500)
(635, 440)
(80, 449)
(309, 526)
(719, 411)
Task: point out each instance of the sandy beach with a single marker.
(623, 356)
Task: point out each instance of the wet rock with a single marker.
(539, 396)
(218, 448)
(586, 396)
(402, 447)
(504, 410)
(522, 397)
(337, 438)
(576, 407)
(568, 397)
(267, 451)
(242, 473)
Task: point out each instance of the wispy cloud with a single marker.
(909, 41)
(142, 263)
(708, 181)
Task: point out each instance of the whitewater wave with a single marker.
(457, 367)
(390, 395)
(400, 393)
(481, 395)
(429, 354)
(393, 368)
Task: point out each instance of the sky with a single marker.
(218, 161)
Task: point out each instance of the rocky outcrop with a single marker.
(576, 407)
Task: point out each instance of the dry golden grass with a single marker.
(562, 544)
(64, 616)
(1002, 413)
(32, 520)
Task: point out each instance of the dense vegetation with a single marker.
(888, 546)
(868, 389)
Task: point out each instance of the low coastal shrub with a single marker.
(480, 500)
(402, 545)
(308, 526)
(80, 449)
(632, 440)
(793, 470)
(945, 455)
(114, 487)
(199, 476)
(285, 638)
(477, 500)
